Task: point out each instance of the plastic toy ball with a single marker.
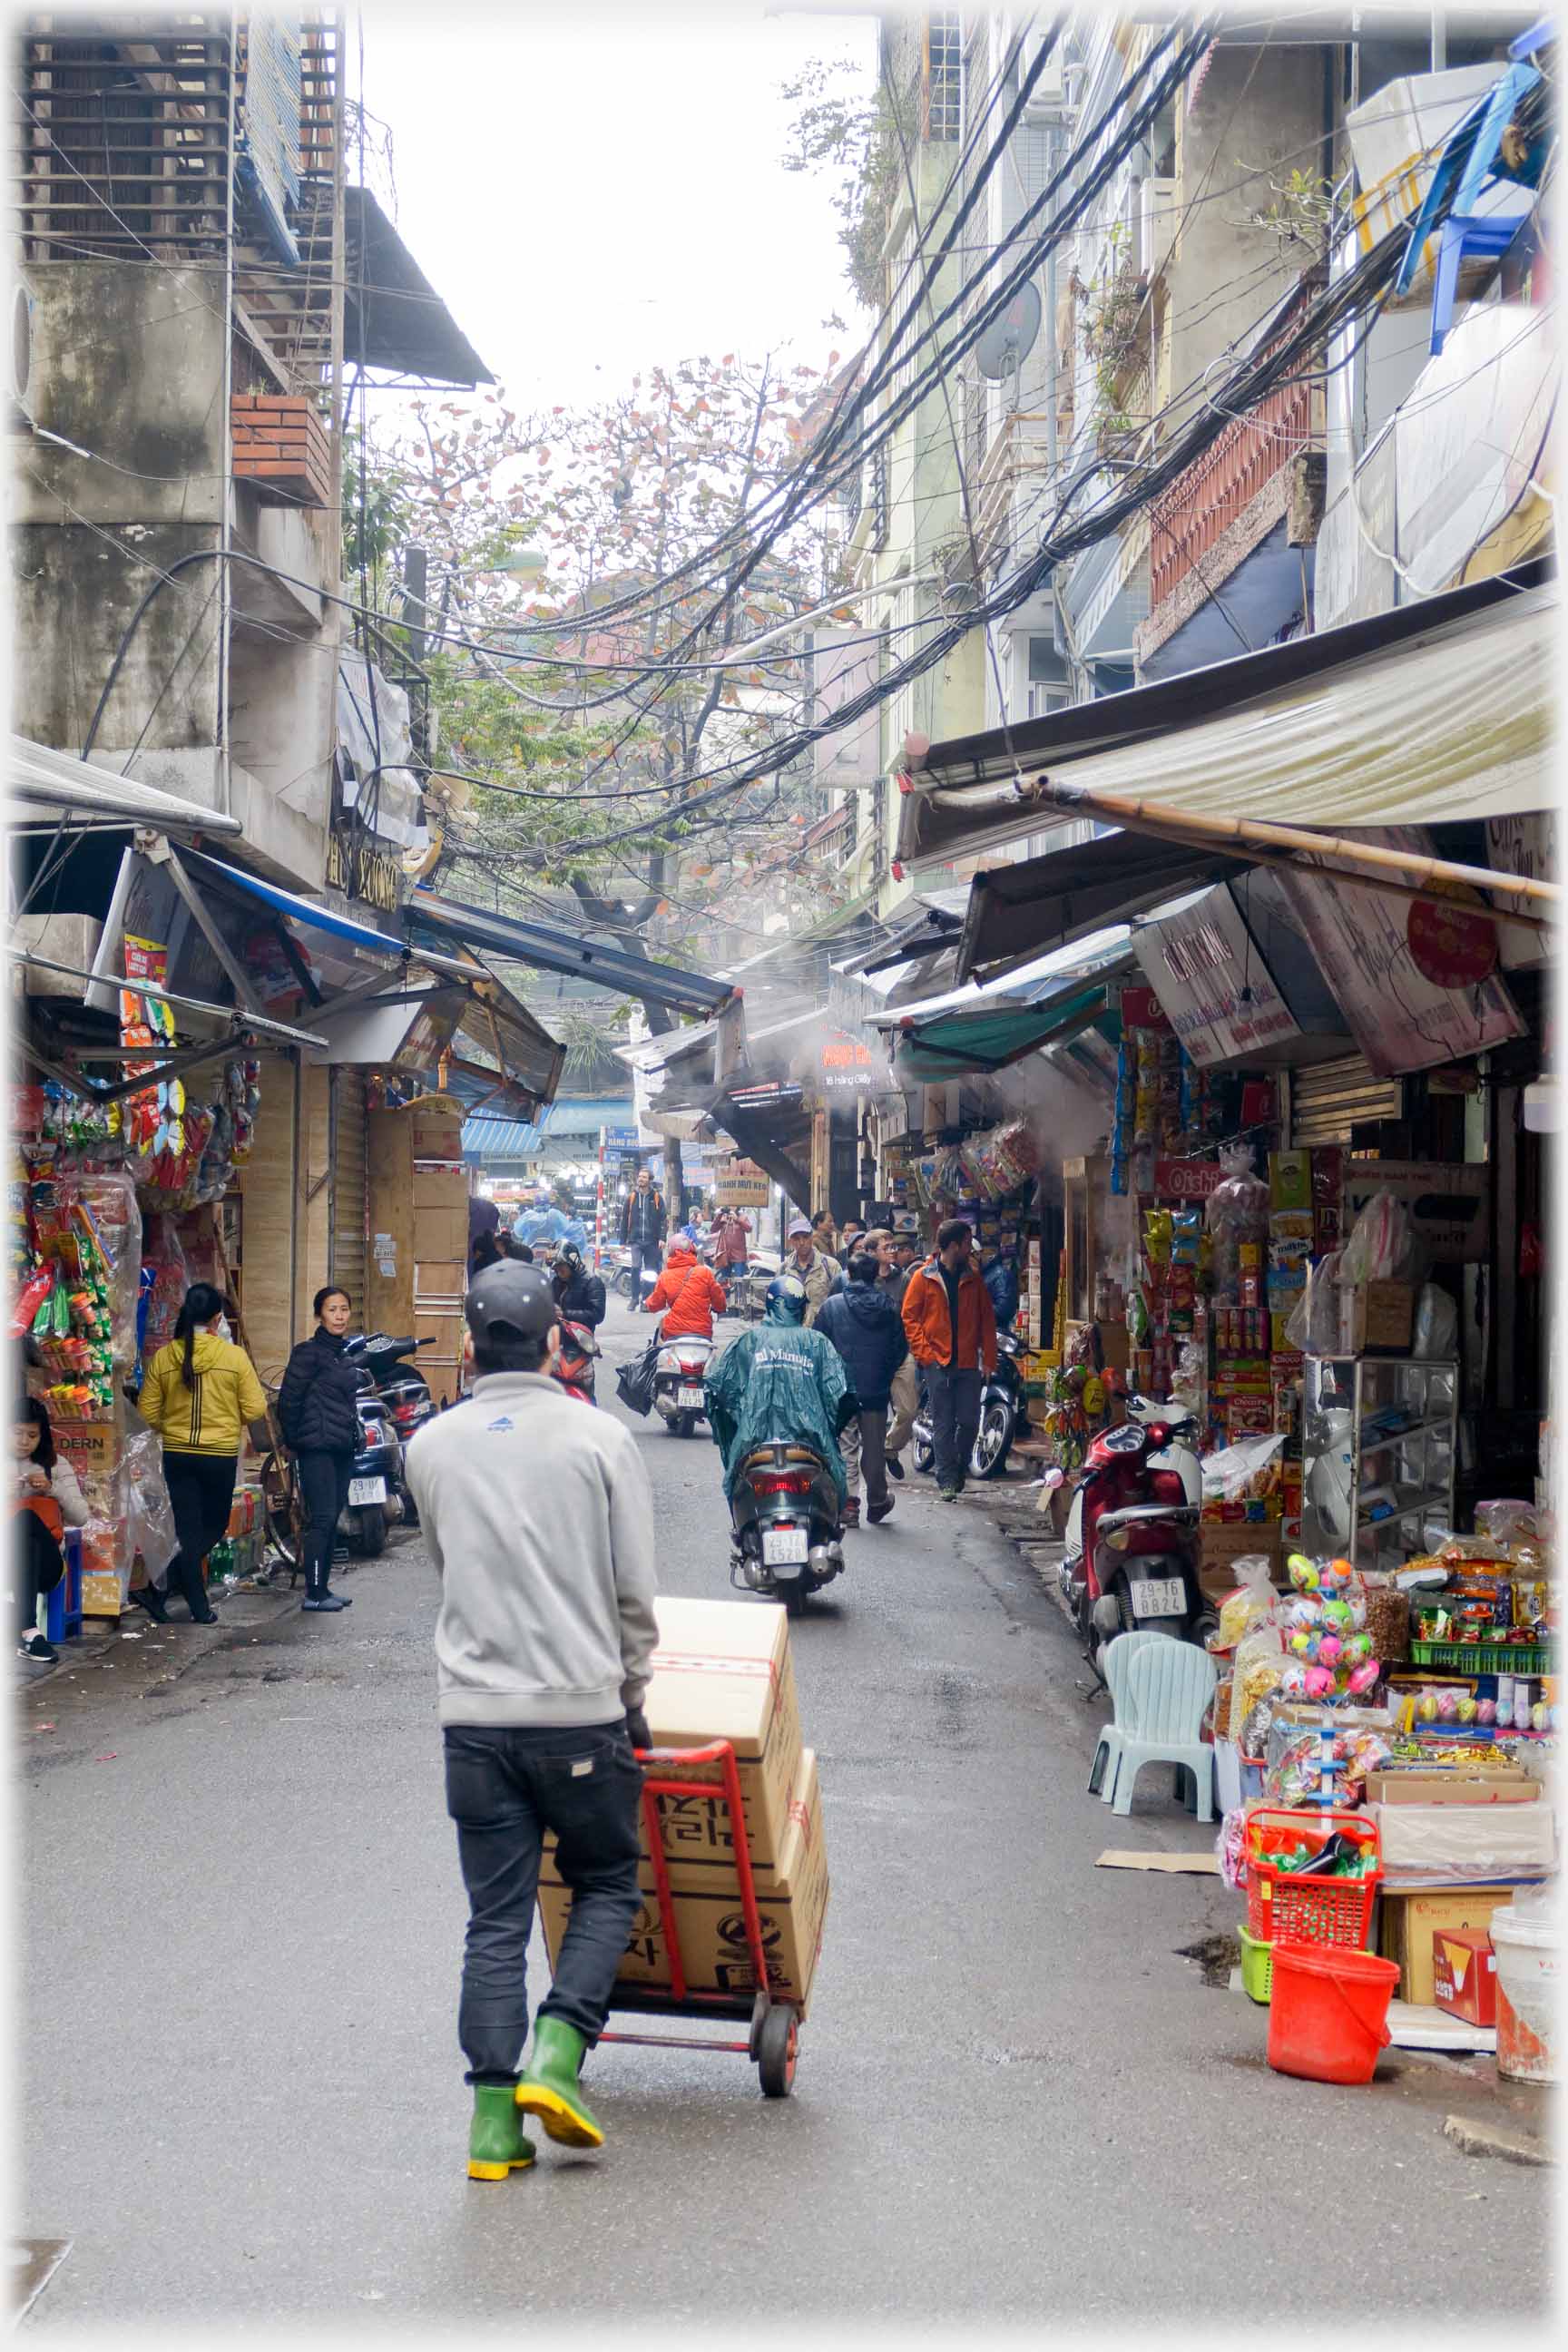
(1329, 1650)
(1302, 1612)
(1293, 1680)
(1302, 1571)
(1320, 1683)
(1338, 1575)
(1337, 1616)
(1365, 1678)
(1301, 1641)
(1358, 1649)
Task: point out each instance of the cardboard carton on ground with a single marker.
(1411, 1922)
(724, 1671)
(1465, 1974)
(1426, 1845)
(1458, 1788)
(711, 1926)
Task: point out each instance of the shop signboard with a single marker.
(1448, 1207)
(1525, 846)
(773, 1094)
(1141, 1009)
(1455, 945)
(839, 1062)
(1208, 973)
(1186, 1180)
(741, 1184)
(1400, 1019)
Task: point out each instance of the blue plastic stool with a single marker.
(64, 1618)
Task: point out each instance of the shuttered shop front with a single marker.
(1327, 1101)
(348, 1222)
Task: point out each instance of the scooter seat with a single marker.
(767, 1456)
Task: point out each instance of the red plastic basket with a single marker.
(1284, 1908)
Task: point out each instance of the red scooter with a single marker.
(1133, 1566)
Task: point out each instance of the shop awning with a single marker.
(946, 1044)
(549, 950)
(1437, 711)
(47, 786)
(494, 1142)
(393, 316)
(315, 916)
(1045, 903)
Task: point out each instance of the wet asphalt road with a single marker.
(1016, 2100)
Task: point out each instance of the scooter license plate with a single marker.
(784, 1546)
(689, 1400)
(366, 1490)
(1159, 1596)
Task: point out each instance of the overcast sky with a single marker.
(591, 188)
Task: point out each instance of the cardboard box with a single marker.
(1225, 1541)
(1411, 1922)
(1377, 1318)
(724, 1671)
(441, 1235)
(1450, 1789)
(711, 1927)
(1464, 1974)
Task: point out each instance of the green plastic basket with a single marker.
(1257, 1967)
(1482, 1657)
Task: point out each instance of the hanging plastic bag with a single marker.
(1246, 1472)
(1314, 1325)
(1236, 1216)
(1436, 1323)
(1382, 1246)
(141, 1497)
(1249, 1606)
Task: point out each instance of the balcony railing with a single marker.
(1019, 451)
(1202, 503)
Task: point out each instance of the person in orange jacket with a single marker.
(687, 1291)
(951, 1326)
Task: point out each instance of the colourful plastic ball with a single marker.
(1303, 1572)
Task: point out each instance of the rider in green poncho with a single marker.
(780, 1381)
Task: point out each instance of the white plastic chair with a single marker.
(1115, 1659)
(1168, 1687)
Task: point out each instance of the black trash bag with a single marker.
(634, 1381)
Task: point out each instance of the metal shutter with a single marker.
(346, 1239)
(1326, 1101)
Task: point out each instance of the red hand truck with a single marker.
(773, 2039)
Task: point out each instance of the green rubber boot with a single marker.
(496, 2144)
(549, 2087)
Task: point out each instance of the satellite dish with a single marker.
(1007, 341)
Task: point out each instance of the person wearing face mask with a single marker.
(320, 1428)
(201, 1393)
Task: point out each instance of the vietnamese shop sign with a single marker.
(1213, 987)
(1401, 1017)
(842, 1063)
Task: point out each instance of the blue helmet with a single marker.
(787, 1299)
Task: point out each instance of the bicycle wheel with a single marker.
(283, 1506)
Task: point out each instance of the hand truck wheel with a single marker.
(778, 2048)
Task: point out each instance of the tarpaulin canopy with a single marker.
(50, 785)
(393, 316)
(945, 1044)
(550, 950)
(1045, 903)
(1442, 711)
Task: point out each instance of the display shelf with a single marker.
(1344, 1450)
(1483, 1657)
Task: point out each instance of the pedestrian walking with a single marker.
(952, 1331)
(200, 1394)
(904, 1402)
(810, 1264)
(320, 1422)
(541, 1521)
(643, 1228)
(862, 1324)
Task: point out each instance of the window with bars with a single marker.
(943, 80)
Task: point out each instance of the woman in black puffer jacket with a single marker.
(320, 1428)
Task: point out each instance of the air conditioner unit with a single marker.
(1048, 95)
(18, 357)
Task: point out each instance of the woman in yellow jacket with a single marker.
(200, 1393)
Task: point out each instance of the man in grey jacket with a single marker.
(539, 1514)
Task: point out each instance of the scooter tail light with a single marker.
(792, 1482)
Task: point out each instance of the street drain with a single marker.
(1216, 1956)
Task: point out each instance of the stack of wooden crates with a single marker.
(418, 1202)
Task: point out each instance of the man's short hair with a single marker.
(955, 1229)
(863, 1268)
(505, 1350)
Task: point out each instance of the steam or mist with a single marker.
(1068, 1119)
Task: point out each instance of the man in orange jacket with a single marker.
(952, 1330)
(688, 1290)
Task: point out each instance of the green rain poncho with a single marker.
(778, 1381)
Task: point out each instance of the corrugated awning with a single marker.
(53, 785)
(393, 316)
(945, 1044)
(1436, 712)
(1045, 903)
(315, 918)
(549, 950)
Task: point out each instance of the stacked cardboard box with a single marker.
(724, 1671)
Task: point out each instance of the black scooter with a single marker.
(786, 1525)
(1004, 1410)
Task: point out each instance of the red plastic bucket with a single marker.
(1329, 2016)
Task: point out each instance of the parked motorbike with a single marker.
(678, 1376)
(787, 1534)
(1132, 1557)
(574, 1365)
(403, 1389)
(1004, 1410)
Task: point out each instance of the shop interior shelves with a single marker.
(1483, 1657)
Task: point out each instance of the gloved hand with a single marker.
(638, 1731)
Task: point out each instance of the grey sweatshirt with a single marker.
(539, 1514)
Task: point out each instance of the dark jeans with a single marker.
(954, 1398)
(864, 1445)
(38, 1565)
(645, 1258)
(324, 1484)
(505, 1787)
(201, 1491)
